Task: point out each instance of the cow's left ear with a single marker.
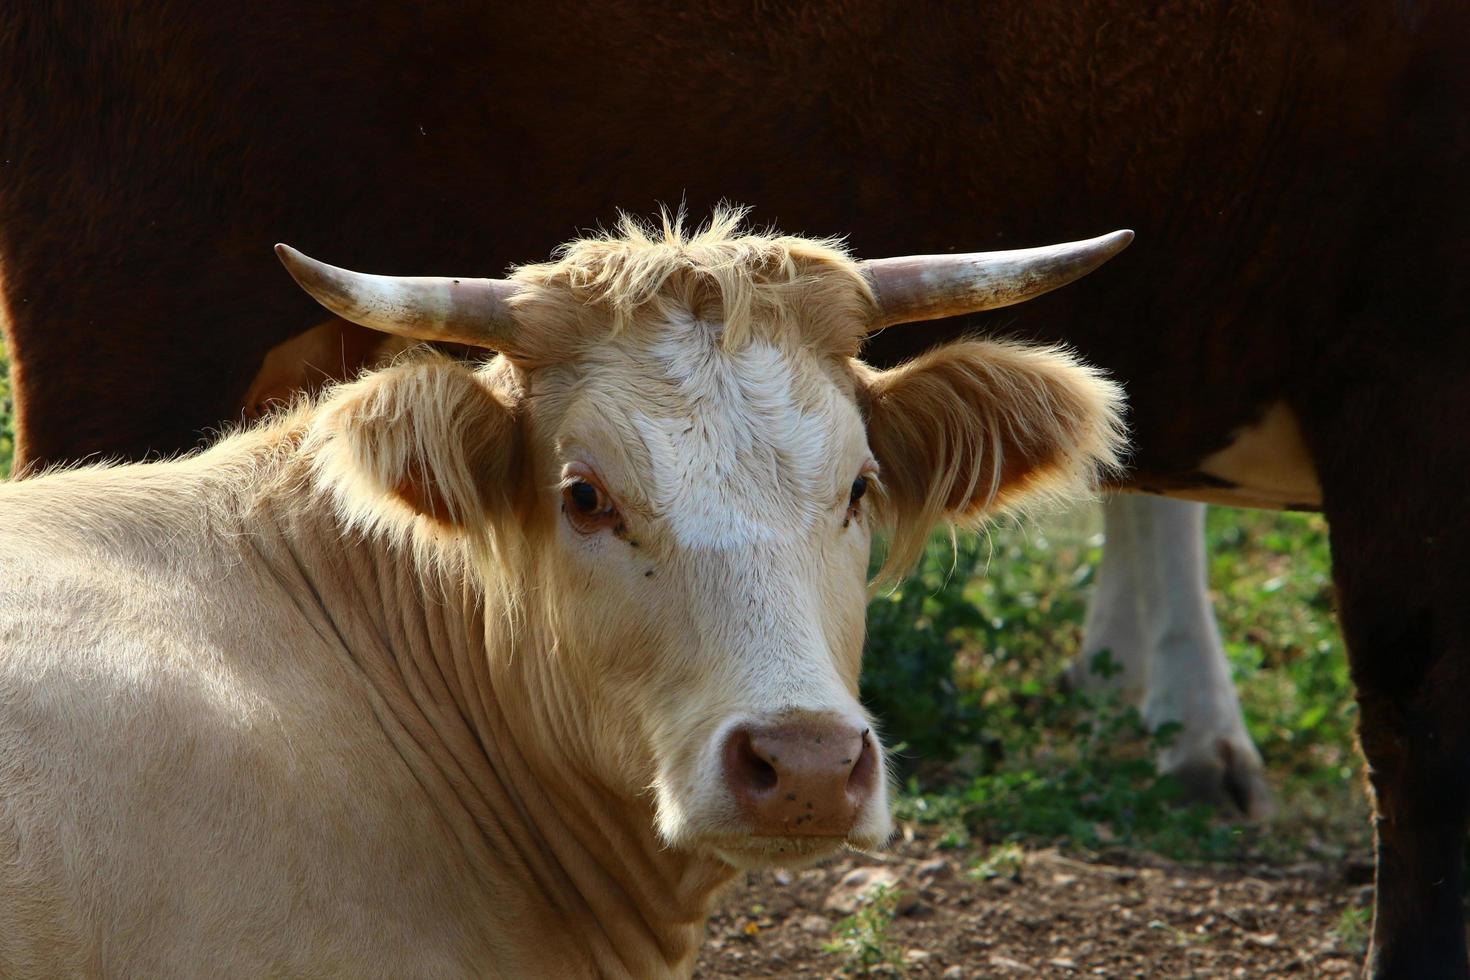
(426, 443)
(979, 426)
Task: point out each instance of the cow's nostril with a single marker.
(746, 767)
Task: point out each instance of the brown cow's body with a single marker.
(1295, 172)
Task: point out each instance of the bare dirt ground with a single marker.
(1113, 915)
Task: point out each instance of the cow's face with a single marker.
(712, 516)
(707, 511)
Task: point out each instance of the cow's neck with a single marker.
(490, 732)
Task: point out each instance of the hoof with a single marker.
(1224, 775)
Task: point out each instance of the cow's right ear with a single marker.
(424, 442)
(979, 426)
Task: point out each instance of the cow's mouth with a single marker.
(751, 853)
(755, 853)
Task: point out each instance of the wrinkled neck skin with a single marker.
(497, 739)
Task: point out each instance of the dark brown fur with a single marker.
(1295, 170)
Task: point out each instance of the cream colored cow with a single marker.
(503, 671)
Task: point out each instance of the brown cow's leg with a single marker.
(1408, 658)
(1394, 489)
(1418, 766)
(1398, 561)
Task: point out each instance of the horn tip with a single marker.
(298, 264)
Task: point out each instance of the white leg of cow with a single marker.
(1186, 677)
(1115, 617)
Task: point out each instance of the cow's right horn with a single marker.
(459, 311)
(927, 287)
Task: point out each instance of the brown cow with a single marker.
(1294, 169)
(503, 672)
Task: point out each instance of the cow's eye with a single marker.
(588, 506)
(855, 495)
(584, 498)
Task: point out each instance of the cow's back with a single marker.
(1274, 157)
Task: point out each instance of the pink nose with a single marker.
(807, 779)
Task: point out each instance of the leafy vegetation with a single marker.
(964, 668)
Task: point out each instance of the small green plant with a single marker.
(1001, 861)
(862, 938)
(1353, 928)
(1103, 665)
(1178, 936)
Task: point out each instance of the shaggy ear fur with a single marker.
(425, 444)
(978, 426)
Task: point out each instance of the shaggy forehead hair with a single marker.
(778, 288)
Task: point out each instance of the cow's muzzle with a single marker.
(808, 778)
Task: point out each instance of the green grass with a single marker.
(964, 666)
(1353, 929)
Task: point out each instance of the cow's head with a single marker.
(678, 465)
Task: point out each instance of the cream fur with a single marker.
(349, 695)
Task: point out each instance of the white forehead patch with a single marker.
(747, 463)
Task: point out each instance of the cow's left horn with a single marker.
(927, 287)
(459, 311)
